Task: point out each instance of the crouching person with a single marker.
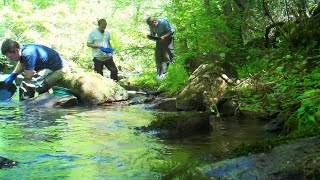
(42, 67)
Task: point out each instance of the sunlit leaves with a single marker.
(279, 69)
(175, 79)
(197, 29)
(310, 105)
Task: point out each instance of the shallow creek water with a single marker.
(101, 143)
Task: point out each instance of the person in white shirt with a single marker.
(98, 39)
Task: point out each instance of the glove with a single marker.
(106, 50)
(11, 78)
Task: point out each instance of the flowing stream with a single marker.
(102, 143)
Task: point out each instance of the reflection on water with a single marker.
(101, 143)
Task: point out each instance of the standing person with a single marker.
(43, 67)
(164, 50)
(102, 52)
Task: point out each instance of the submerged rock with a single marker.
(179, 125)
(6, 163)
(51, 100)
(163, 104)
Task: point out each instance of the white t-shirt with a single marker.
(97, 38)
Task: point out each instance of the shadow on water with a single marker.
(101, 143)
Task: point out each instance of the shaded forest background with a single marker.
(274, 43)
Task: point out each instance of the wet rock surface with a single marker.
(179, 125)
(49, 100)
(293, 159)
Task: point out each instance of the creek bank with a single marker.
(203, 94)
(208, 89)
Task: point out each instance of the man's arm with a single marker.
(166, 35)
(90, 42)
(19, 68)
(168, 28)
(28, 74)
(92, 45)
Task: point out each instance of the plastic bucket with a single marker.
(7, 90)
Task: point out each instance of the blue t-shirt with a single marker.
(37, 57)
(162, 28)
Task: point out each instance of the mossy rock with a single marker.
(94, 89)
(179, 124)
(206, 86)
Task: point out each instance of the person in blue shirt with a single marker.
(164, 50)
(41, 66)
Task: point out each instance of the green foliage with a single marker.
(252, 67)
(175, 79)
(261, 146)
(197, 30)
(145, 80)
(285, 84)
(250, 100)
(310, 105)
(172, 83)
(41, 4)
(300, 94)
(65, 25)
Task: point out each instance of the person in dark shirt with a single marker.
(164, 50)
(42, 67)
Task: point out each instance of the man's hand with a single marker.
(11, 78)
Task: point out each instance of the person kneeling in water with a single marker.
(42, 66)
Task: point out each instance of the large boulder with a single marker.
(206, 86)
(94, 89)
